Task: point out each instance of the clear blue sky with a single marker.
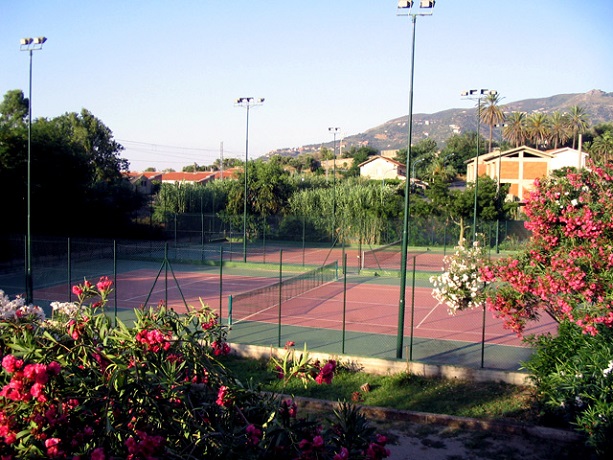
(163, 75)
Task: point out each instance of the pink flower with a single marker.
(104, 284)
(54, 368)
(11, 364)
(53, 450)
(318, 442)
(326, 373)
(98, 454)
(253, 435)
(223, 398)
(342, 455)
(220, 348)
(76, 290)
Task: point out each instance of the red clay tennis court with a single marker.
(369, 305)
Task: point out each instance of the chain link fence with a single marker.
(356, 313)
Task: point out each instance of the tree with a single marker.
(565, 273)
(13, 109)
(463, 147)
(578, 122)
(538, 129)
(268, 189)
(559, 126)
(458, 205)
(601, 148)
(492, 114)
(359, 155)
(440, 169)
(424, 148)
(74, 161)
(515, 130)
(566, 270)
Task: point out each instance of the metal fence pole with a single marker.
(412, 310)
(280, 292)
(69, 273)
(483, 340)
(115, 277)
(344, 300)
(220, 282)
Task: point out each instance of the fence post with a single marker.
(69, 273)
(303, 237)
(483, 340)
(220, 281)
(280, 292)
(412, 310)
(344, 301)
(230, 310)
(115, 277)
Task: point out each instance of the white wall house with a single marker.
(378, 167)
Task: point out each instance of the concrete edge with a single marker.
(389, 366)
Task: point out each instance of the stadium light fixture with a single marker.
(405, 8)
(29, 44)
(477, 94)
(247, 103)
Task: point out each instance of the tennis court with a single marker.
(359, 315)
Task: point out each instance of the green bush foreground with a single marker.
(77, 386)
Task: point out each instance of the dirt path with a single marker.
(422, 436)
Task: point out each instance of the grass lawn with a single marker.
(485, 400)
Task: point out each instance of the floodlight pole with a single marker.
(408, 7)
(334, 131)
(30, 45)
(480, 93)
(498, 194)
(247, 103)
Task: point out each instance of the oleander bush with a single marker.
(79, 386)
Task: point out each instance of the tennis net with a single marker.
(387, 256)
(247, 305)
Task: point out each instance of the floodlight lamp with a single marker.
(26, 41)
(40, 40)
(261, 100)
(405, 4)
(426, 4)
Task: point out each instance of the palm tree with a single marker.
(515, 128)
(491, 113)
(538, 126)
(601, 147)
(438, 169)
(578, 122)
(560, 131)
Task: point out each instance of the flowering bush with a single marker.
(293, 365)
(460, 286)
(566, 272)
(567, 269)
(74, 386)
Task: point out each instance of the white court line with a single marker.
(426, 317)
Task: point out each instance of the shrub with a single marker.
(573, 373)
(74, 386)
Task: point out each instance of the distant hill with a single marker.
(392, 135)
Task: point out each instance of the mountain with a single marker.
(392, 135)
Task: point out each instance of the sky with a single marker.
(164, 75)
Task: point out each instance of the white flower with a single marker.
(69, 309)
(574, 202)
(609, 369)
